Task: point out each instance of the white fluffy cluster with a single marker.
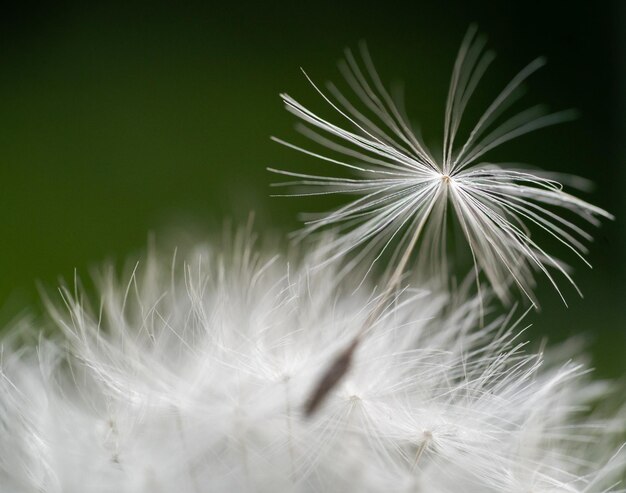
(190, 376)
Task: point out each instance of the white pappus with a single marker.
(403, 190)
(190, 376)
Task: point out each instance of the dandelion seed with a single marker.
(405, 190)
(336, 371)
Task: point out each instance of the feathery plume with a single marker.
(404, 190)
(189, 376)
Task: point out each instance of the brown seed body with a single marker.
(331, 377)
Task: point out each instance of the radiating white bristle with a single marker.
(404, 190)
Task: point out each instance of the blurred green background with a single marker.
(123, 119)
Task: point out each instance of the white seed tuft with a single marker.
(193, 378)
(404, 189)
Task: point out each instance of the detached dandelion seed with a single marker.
(405, 189)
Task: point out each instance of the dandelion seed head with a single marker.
(192, 376)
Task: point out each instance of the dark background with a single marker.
(125, 119)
